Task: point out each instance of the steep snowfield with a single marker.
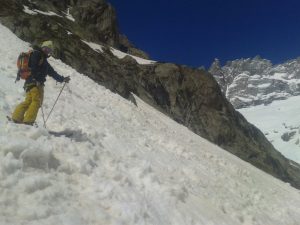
(280, 122)
(121, 164)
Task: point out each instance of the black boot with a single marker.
(30, 124)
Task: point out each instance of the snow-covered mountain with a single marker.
(268, 96)
(255, 81)
(118, 163)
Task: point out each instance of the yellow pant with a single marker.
(27, 111)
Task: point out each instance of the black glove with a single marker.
(66, 79)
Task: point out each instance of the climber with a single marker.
(26, 112)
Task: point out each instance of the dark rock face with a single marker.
(98, 19)
(92, 20)
(192, 97)
(288, 136)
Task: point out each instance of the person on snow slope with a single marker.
(26, 112)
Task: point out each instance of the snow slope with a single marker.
(117, 53)
(280, 122)
(121, 164)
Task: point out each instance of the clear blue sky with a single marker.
(194, 32)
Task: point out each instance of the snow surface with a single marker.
(29, 11)
(117, 53)
(139, 60)
(96, 47)
(50, 13)
(36, 11)
(121, 164)
(275, 120)
(69, 16)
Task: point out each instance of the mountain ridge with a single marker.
(255, 81)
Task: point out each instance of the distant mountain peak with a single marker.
(254, 81)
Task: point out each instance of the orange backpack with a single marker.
(23, 65)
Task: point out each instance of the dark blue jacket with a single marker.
(40, 68)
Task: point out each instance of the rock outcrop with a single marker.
(192, 97)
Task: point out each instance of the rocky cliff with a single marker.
(190, 96)
(248, 82)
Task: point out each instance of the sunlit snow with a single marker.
(117, 53)
(276, 120)
(36, 11)
(118, 163)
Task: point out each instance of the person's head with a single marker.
(47, 47)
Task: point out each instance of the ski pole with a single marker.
(43, 116)
(55, 103)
